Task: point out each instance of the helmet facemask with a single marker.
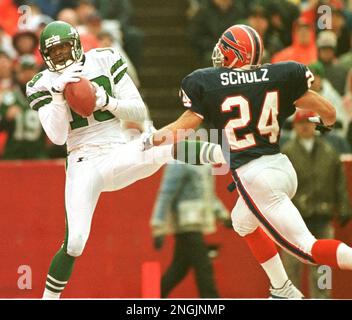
(62, 61)
(217, 57)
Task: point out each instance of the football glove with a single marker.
(147, 138)
(102, 98)
(71, 74)
(319, 125)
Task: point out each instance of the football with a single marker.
(80, 96)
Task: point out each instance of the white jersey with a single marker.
(104, 67)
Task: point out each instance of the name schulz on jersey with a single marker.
(241, 77)
(190, 309)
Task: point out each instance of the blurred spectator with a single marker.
(68, 15)
(94, 33)
(26, 42)
(94, 24)
(338, 142)
(26, 138)
(48, 7)
(347, 102)
(282, 15)
(258, 19)
(89, 41)
(8, 16)
(303, 48)
(133, 37)
(209, 23)
(6, 43)
(347, 99)
(120, 10)
(105, 39)
(322, 193)
(193, 7)
(345, 60)
(188, 207)
(326, 43)
(84, 9)
(36, 21)
(323, 86)
(6, 69)
(341, 30)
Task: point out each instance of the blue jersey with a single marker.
(248, 107)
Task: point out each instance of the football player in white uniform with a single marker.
(99, 157)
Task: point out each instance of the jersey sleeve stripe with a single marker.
(37, 95)
(117, 65)
(120, 75)
(198, 115)
(37, 105)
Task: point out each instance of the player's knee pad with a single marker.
(242, 228)
(76, 245)
(242, 224)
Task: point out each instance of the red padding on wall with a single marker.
(151, 275)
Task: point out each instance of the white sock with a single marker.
(275, 271)
(344, 257)
(51, 295)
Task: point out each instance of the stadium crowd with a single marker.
(291, 30)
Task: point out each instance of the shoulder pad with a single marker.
(38, 94)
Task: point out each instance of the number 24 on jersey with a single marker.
(267, 125)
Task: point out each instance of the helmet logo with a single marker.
(73, 31)
(52, 40)
(229, 42)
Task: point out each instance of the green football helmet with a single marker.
(60, 33)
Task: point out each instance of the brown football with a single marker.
(80, 96)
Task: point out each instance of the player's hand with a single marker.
(102, 98)
(319, 125)
(147, 138)
(70, 74)
(158, 242)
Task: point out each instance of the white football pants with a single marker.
(94, 169)
(266, 186)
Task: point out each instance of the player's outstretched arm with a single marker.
(176, 130)
(198, 152)
(315, 102)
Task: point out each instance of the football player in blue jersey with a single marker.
(248, 103)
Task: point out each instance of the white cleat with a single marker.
(288, 291)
